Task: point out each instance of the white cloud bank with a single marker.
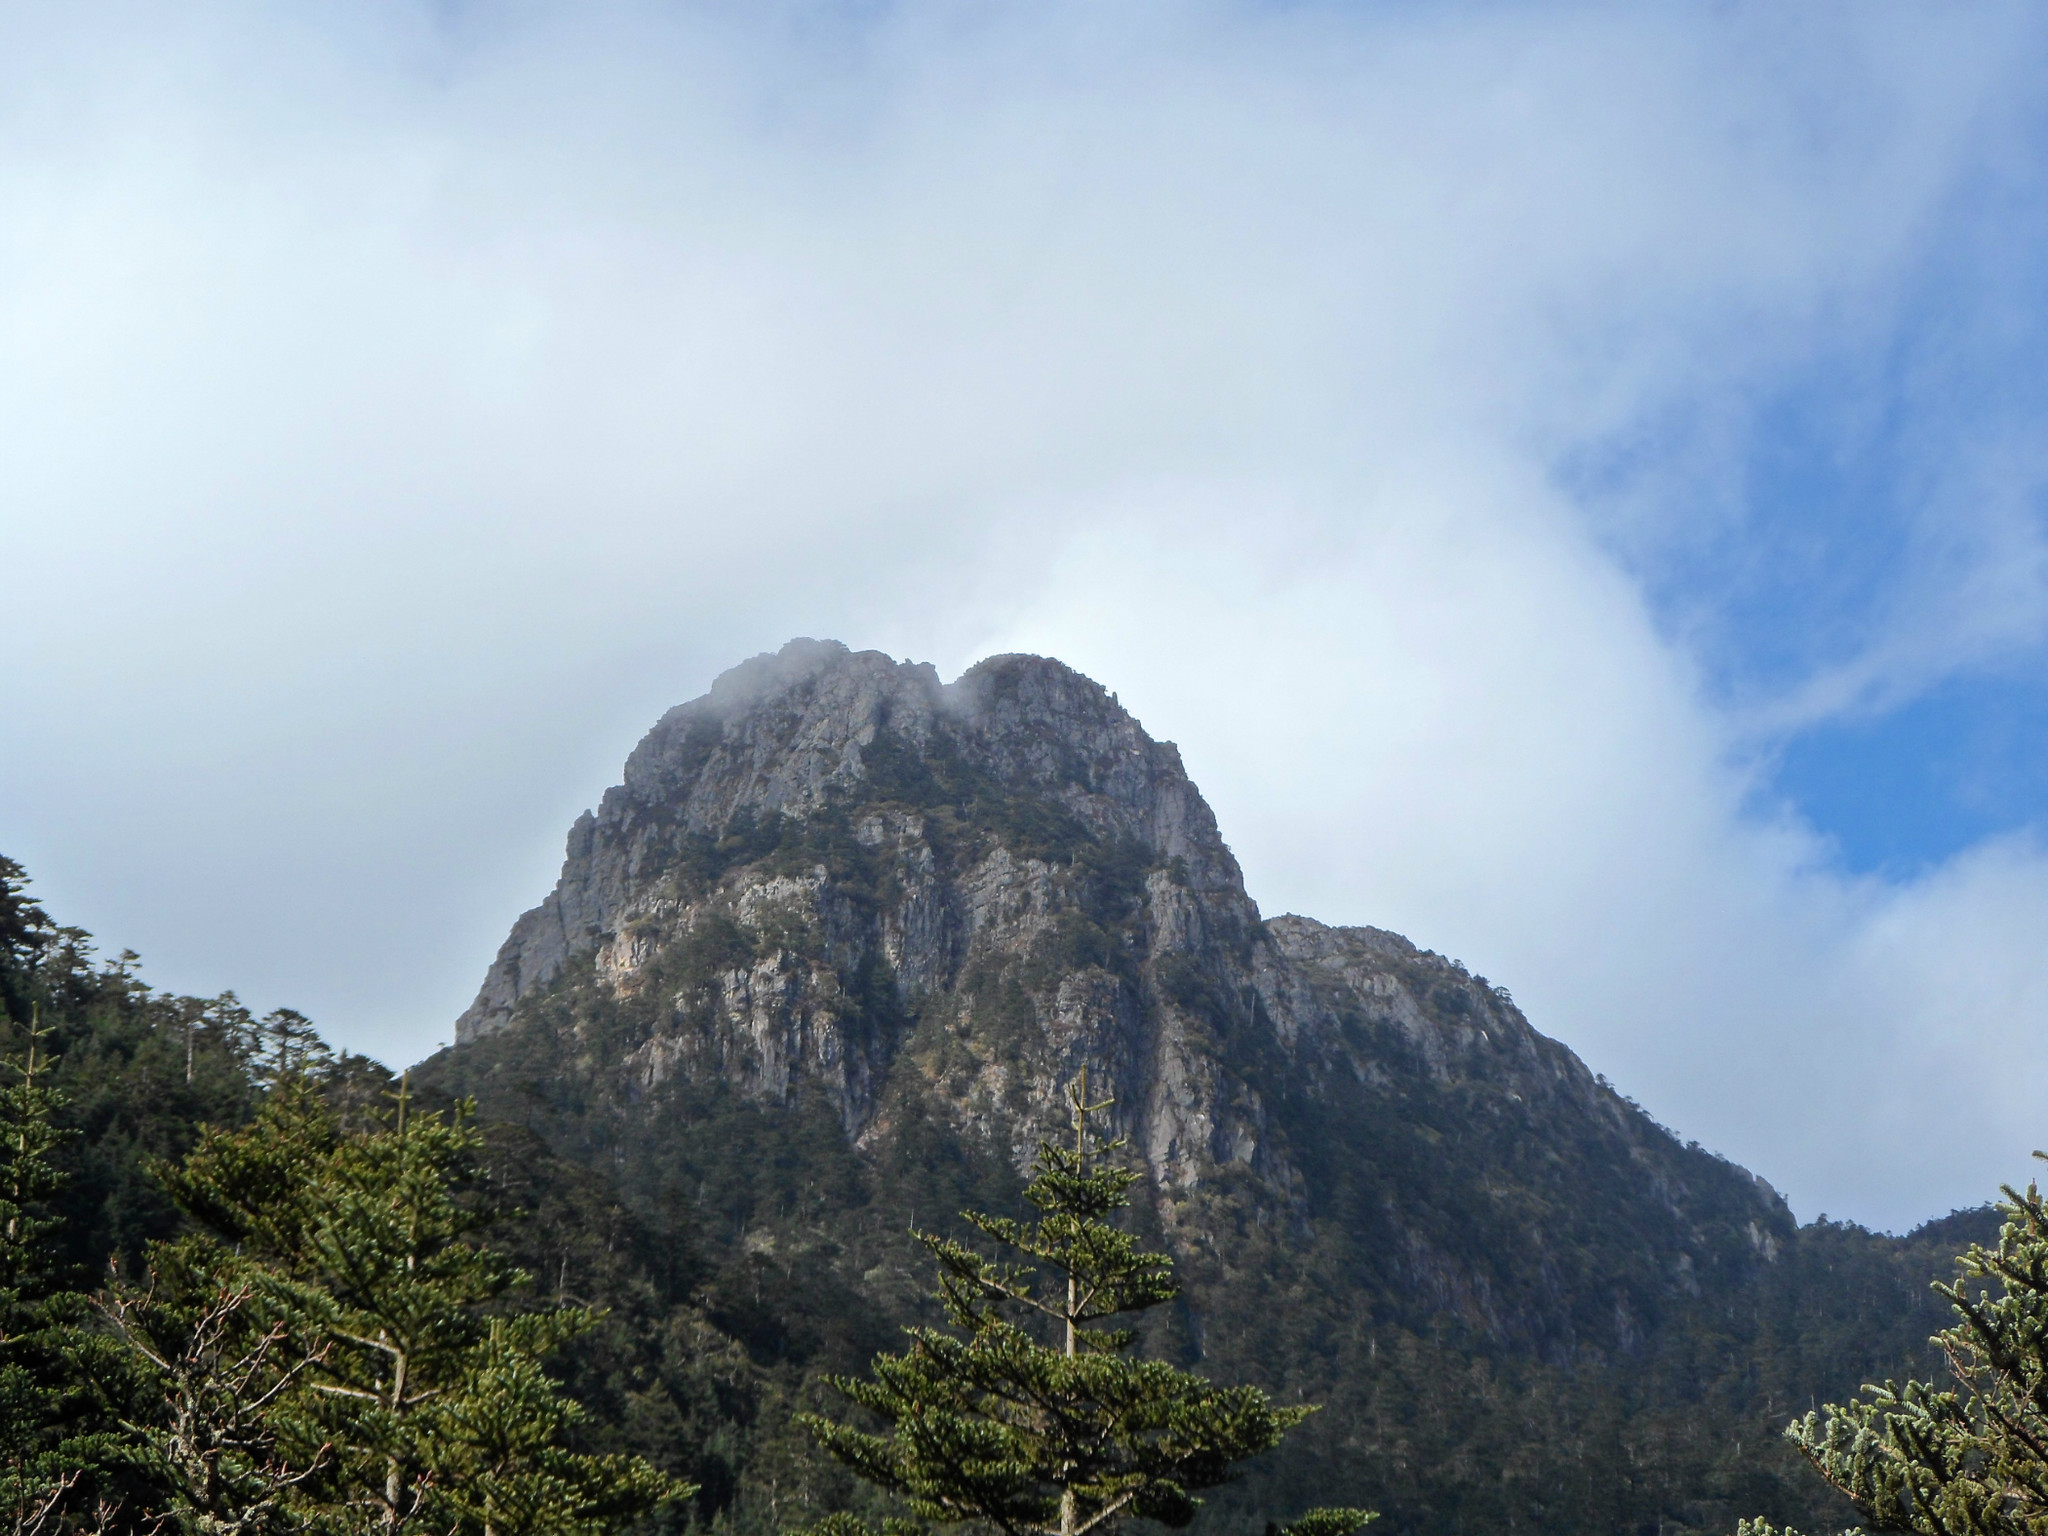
(399, 407)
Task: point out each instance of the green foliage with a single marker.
(25, 932)
(28, 1176)
(334, 1352)
(1971, 1460)
(505, 1467)
(65, 1456)
(990, 1424)
(137, 1072)
(219, 1433)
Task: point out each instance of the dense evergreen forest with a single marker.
(760, 1254)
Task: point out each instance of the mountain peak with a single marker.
(816, 727)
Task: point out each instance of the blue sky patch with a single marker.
(1910, 788)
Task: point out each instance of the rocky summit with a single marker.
(826, 960)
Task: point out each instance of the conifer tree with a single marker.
(223, 1370)
(1971, 1460)
(64, 1454)
(1034, 1417)
(336, 1350)
(25, 931)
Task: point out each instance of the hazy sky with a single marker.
(1571, 478)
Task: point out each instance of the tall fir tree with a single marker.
(337, 1355)
(1067, 1437)
(66, 1458)
(1972, 1459)
(25, 931)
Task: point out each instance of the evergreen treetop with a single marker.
(1971, 1460)
(1067, 1438)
